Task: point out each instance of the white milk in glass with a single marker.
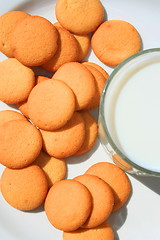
(132, 113)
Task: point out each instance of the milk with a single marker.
(132, 113)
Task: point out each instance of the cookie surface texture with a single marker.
(77, 16)
(33, 45)
(51, 104)
(102, 232)
(8, 115)
(68, 205)
(91, 132)
(55, 169)
(100, 82)
(80, 80)
(99, 68)
(8, 22)
(24, 189)
(16, 81)
(102, 198)
(67, 51)
(114, 41)
(116, 178)
(67, 140)
(20, 143)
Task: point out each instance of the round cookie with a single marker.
(102, 199)
(51, 104)
(80, 17)
(116, 178)
(102, 232)
(8, 115)
(80, 80)
(16, 81)
(84, 44)
(55, 169)
(99, 68)
(20, 143)
(68, 205)
(100, 82)
(8, 22)
(67, 140)
(33, 45)
(67, 51)
(24, 189)
(114, 41)
(91, 130)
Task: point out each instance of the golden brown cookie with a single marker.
(84, 45)
(51, 104)
(16, 81)
(102, 199)
(20, 143)
(102, 232)
(91, 132)
(67, 51)
(8, 22)
(34, 41)
(80, 17)
(100, 82)
(116, 178)
(99, 68)
(8, 115)
(68, 205)
(80, 80)
(114, 41)
(24, 189)
(54, 168)
(67, 140)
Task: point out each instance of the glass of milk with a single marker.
(129, 118)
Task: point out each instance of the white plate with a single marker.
(140, 218)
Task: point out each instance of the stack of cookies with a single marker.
(55, 122)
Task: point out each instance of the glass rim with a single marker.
(102, 118)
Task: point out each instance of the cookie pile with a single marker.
(56, 122)
(85, 202)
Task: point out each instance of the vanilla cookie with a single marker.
(67, 51)
(100, 82)
(68, 205)
(67, 140)
(16, 81)
(51, 104)
(102, 199)
(84, 45)
(8, 23)
(91, 132)
(80, 17)
(102, 232)
(114, 41)
(116, 178)
(24, 189)
(20, 143)
(80, 80)
(34, 41)
(54, 168)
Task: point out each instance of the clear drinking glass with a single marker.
(130, 64)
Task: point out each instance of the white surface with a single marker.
(140, 218)
(134, 113)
